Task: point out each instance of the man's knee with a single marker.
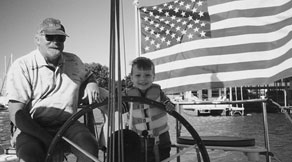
(81, 136)
(29, 149)
(85, 139)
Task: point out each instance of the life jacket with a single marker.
(147, 117)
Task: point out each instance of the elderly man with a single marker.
(43, 90)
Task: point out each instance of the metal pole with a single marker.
(81, 150)
(178, 128)
(137, 28)
(266, 131)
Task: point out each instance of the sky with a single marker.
(87, 22)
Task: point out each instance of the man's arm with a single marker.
(26, 124)
(92, 90)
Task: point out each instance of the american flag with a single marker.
(200, 44)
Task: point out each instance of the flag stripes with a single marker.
(250, 44)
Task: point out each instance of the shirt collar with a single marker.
(42, 61)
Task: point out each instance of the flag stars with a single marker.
(173, 35)
(168, 24)
(197, 21)
(147, 48)
(157, 17)
(190, 36)
(151, 13)
(183, 13)
(201, 14)
(181, 3)
(157, 25)
(196, 29)
(167, 32)
(188, 6)
(173, 17)
(200, 3)
(157, 46)
(146, 28)
(194, 10)
(166, 14)
(190, 17)
(190, 26)
(157, 35)
(203, 34)
(184, 32)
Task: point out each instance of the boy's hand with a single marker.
(169, 107)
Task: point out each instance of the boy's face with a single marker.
(142, 79)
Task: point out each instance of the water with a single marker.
(280, 133)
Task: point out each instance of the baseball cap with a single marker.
(51, 26)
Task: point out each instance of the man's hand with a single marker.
(92, 92)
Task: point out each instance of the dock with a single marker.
(211, 108)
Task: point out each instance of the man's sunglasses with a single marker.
(57, 38)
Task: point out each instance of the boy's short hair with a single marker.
(143, 63)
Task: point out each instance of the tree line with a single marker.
(101, 73)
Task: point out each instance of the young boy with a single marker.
(149, 122)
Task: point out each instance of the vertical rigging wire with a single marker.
(111, 101)
(115, 90)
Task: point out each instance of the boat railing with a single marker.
(252, 153)
(284, 109)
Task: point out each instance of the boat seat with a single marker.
(228, 141)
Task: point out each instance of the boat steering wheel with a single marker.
(201, 147)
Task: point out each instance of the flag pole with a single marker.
(137, 28)
(5, 65)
